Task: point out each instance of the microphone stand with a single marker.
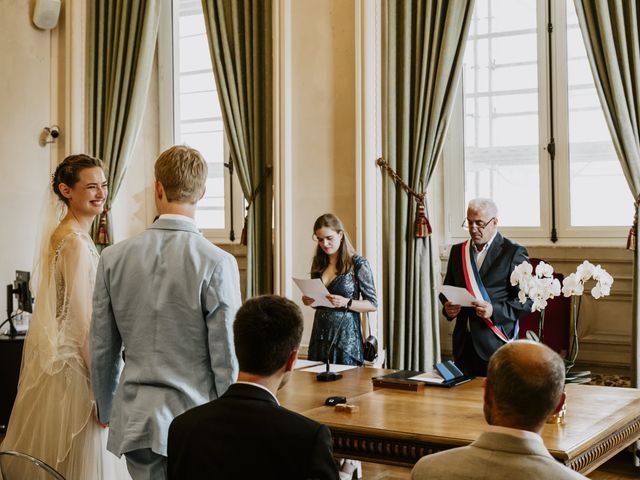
(12, 328)
(328, 375)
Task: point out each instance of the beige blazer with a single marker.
(494, 456)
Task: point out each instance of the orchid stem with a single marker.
(541, 326)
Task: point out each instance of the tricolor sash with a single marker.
(475, 287)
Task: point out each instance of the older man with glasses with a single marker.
(482, 265)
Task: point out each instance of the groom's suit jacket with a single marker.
(494, 456)
(502, 257)
(169, 297)
(246, 434)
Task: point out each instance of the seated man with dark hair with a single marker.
(525, 384)
(246, 433)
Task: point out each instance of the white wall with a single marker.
(25, 101)
(323, 125)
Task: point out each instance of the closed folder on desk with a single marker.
(400, 380)
(451, 373)
(406, 379)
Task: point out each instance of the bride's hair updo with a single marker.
(68, 172)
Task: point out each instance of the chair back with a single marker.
(20, 466)
(557, 317)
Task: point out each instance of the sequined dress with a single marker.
(339, 326)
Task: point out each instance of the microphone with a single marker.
(328, 375)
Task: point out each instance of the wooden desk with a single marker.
(398, 427)
(304, 392)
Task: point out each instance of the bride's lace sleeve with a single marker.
(77, 269)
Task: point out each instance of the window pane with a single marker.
(600, 195)
(199, 122)
(500, 76)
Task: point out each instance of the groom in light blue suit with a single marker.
(169, 297)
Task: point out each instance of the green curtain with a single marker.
(611, 32)
(423, 51)
(121, 48)
(240, 43)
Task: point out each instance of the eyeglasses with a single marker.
(479, 224)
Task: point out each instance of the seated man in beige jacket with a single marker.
(525, 384)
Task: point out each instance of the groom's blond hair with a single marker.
(182, 171)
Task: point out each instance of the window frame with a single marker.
(453, 152)
(169, 115)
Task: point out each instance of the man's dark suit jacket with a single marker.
(502, 257)
(246, 434)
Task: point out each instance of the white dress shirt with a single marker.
(481, 254)
(177, 216)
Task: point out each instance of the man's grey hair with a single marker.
(527, 380)
(484, 205)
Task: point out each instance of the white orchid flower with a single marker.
(522, 296)
(539, 304)
(604, 278)
(521, 273)
(569, 285)
(603, 288)
(585, 270)
(544, 270)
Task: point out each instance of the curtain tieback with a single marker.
(632, 239)
(102, 237)
(422, 226)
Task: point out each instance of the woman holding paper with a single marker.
(337, 333)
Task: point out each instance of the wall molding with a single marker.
(282, 144)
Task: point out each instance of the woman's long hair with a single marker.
(320, 262)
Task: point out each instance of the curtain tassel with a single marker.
(103, 231)
(243, 235)
(632, 238)
(423, 227)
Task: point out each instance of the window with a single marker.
(599, 192)
(190, 114)
(526, 92)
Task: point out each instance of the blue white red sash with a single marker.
(476, 288)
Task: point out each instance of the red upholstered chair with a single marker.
(556, 319)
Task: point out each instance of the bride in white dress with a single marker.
(53, 417)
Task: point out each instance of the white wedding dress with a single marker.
(53, 416)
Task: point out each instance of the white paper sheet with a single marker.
(334, 367)
(314, 288)
(301, 363)
(428, 377)
(457, 295)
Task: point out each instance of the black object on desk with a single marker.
(10, 360)
(335, 400)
